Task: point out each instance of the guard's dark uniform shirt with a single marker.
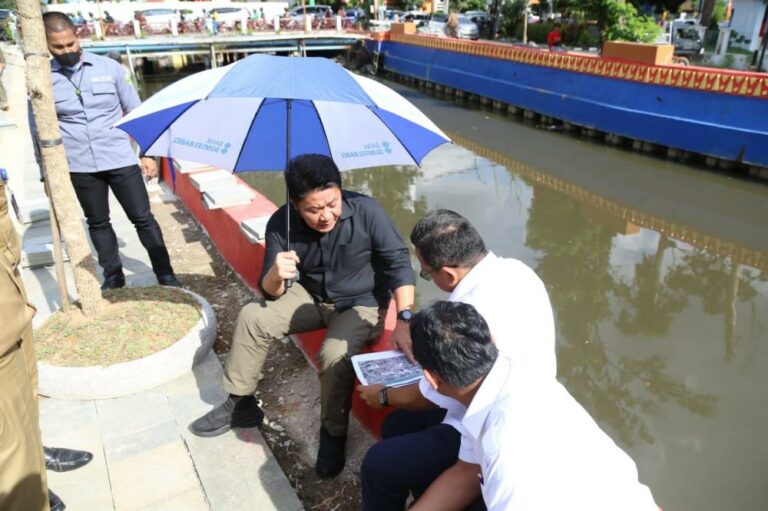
(358, 263)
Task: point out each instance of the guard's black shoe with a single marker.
(113, 282)
(64, 460)
(235, 412)
(330, 455)
(55, 502)
(168, 280)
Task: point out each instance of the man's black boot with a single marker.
(330, 455)
(235, 412)
(168, 280)
(55, 502)
(64, 460)
(113, 281)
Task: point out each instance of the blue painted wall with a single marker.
(722, 125)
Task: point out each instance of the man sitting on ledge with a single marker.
(536, 447)
(346, 256)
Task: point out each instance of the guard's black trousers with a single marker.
(127, 184)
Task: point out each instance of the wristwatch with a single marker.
(405, 315)
(383, 401)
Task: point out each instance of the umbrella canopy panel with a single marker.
(237, 117)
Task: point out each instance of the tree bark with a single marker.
(40, 88)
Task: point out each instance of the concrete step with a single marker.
(186, 167)
(205, 181)
(237, 195)
(255, 228)
(40, 254)
(34, 210)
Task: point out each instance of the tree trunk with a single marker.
(707, 8)
(54, 158)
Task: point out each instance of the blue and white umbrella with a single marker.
(260, 111)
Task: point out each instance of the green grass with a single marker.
(134, 323)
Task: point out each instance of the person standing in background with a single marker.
(91, 96)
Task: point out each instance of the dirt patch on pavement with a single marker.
(289, 389)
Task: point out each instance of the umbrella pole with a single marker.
(288, 282)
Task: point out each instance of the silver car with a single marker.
(436, 26)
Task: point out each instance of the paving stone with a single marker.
(262, 486)
(190, 501)
(153, 476)
(134, 415)
(119, 448)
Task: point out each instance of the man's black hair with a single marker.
(57, 22)
(445, 238)
(452, 340)
(310, 172)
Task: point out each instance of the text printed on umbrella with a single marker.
(373, 149)
(211, 145)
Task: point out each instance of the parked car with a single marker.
(159, 18)
(415, 16)
(316, 11)
(478, 17)
(436, 26)
(230, 15)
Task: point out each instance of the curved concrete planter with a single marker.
(105, 382)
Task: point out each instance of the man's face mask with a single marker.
(69, 58)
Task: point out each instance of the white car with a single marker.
(436, 26)
(158, 18)
(230, 15)
(316, 11)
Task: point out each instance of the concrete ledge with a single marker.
(106, 382)
(255, 228)
(234, 195)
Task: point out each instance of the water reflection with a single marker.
(659, 331)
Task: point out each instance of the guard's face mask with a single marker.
(69, 59)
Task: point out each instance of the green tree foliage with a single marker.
(8, 4)
(624, 24)
(511, 16)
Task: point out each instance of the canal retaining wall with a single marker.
(720, 114)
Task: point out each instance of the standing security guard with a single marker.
(91, 95)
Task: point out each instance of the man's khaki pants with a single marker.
(262, 322)
(22, 467)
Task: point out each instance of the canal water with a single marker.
(657, 272)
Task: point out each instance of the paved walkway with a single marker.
(144, 456)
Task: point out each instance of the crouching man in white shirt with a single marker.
(536, 447)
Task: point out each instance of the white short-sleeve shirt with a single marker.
(514, 302)
(539, 450)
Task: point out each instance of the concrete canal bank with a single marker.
(685, 113)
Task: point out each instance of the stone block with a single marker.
(237, 195)
(204, 181)
(147, 479)
(263, 487)
(193, 500)
(255, 228)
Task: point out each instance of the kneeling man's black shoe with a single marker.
(330, 455)
(113, 282)
(235, 412)
(64, 460)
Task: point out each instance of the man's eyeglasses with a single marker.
(427, 275)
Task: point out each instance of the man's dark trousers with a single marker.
(415, 449)
(127, 184)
